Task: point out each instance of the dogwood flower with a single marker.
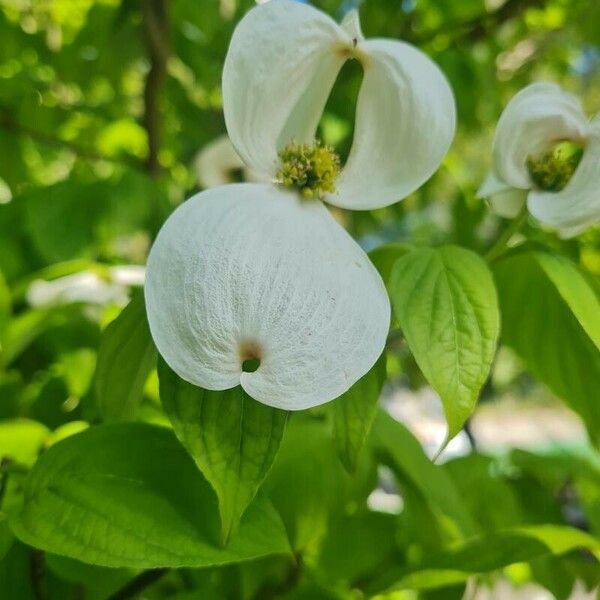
(217, 163)
(546, 154)
(256, 284)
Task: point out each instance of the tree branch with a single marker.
(14, 128)
(477, 28)
(272, 591)
(155, 28)
(37, 570)
(138, 584)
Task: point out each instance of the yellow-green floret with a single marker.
(310, 168)
(552, 170)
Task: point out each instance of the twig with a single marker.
(37, 570)
(11, 126)
(4, 472)
(501, 243)
(155, 27)
(477, 28)
(138, 584)
(468, 429)
(270, 592)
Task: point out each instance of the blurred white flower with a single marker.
(86, 287)
(218, 163)
(547, 154)
(256, 284)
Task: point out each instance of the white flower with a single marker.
(87, 287)
(217, 163)
(282, 63)
(547, 154)
(261, 275)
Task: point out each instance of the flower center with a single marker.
(310, 168)
(553, 169)
(250, 355)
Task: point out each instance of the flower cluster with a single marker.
(256, 284)
(311, 168)
(546, 154)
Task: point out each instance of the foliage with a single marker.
(116, 476)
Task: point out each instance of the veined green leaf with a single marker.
(384, 257)
(575, 291)
(129, 495)
(354, 412)
(307, 483)
(125, 359)
(400, 450)
(494, 551)
(446, 304)
(550, 319)
(232, 438)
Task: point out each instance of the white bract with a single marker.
(261, 274)
(218, 163)
(546, 154)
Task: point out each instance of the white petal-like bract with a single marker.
(250, 270)
(504, 200)
(283, 59)
(577, 206)
(405, 123)
(538, 116)
(217, 163)
(281, 65)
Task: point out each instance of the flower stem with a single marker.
(501, 244)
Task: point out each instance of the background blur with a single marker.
(106, 108)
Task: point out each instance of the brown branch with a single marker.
(138, 584)
(155, 28)
(38, 578)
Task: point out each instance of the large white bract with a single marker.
(538, 117)
(258, 272)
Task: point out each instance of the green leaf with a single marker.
(99, 582)
(489, 497)
(354, 412)
(357, 545)
(384, 257)
(400, 450)
(307, 483)
(492, 552)
(233, 439)
(125, 359)
(23, 329)
(129, 495)
(15, 582)
(575, 291)
(21, 440)
(61, 218)
(6, 537)
(446, 304)
(550, 320)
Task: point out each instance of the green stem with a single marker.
(501, 244)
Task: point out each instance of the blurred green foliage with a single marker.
(102, 116)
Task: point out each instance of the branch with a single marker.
(269, 592)
(11, 126)
(155, 28)
(138, 584)
(477, 28)
(37, 570)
